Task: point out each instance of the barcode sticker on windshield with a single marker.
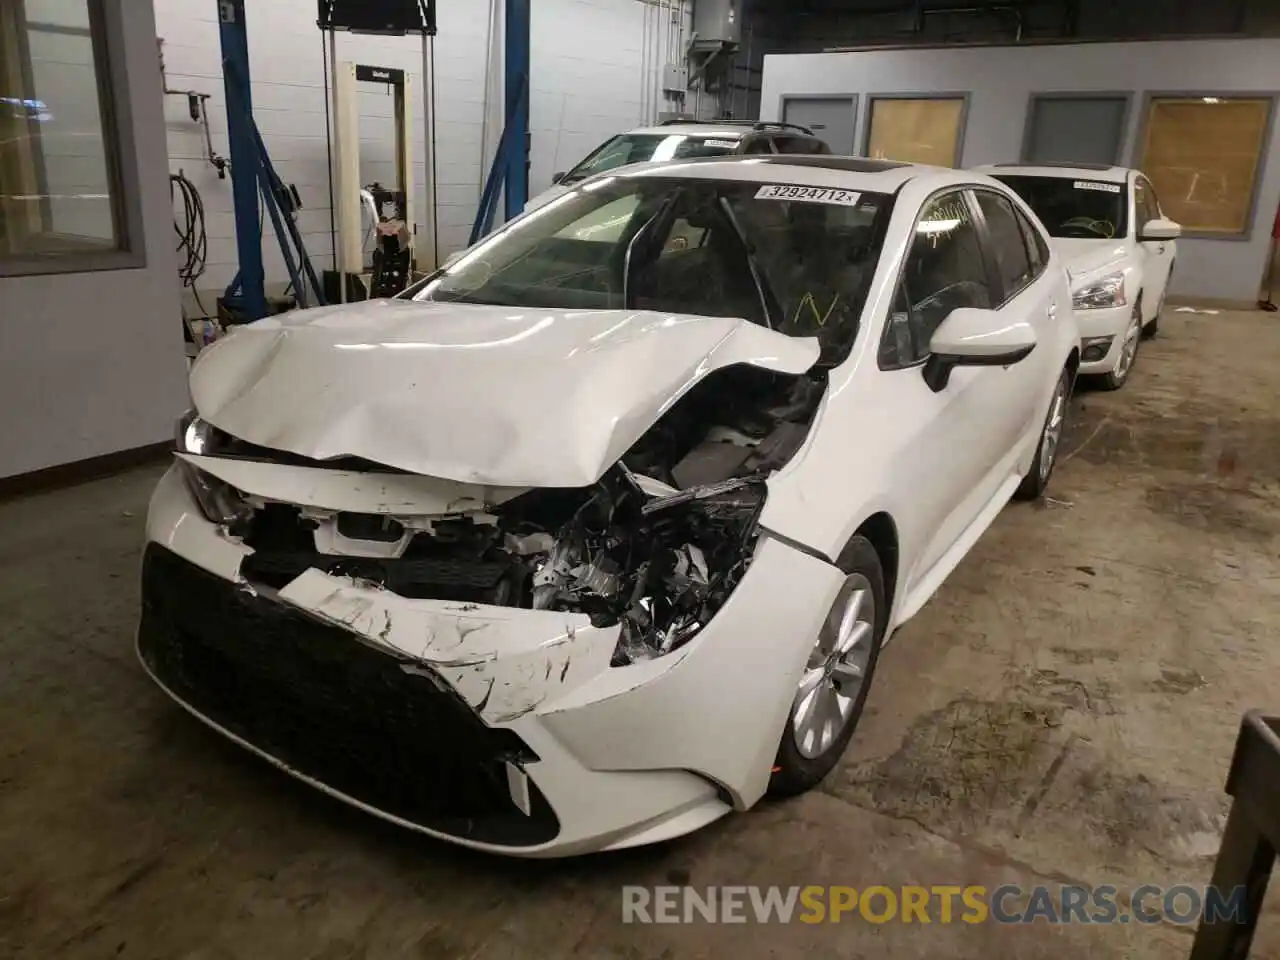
(721, 144)
(775, 191)
(1094, 185)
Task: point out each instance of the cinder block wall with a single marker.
(586, 86)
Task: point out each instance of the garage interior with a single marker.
(1063, 711)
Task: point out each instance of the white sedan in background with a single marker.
(1107, 224)
(595, 535)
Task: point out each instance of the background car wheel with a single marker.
(1128, 353)
(1037, 478)
(833, 687)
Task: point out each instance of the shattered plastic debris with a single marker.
(1199, 310)
(646, 548)
(525, 546)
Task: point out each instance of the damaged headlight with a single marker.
(659, 566)
(1101, 294)
(194, 436)
(220, 502)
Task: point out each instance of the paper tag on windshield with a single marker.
(1094, 185)
(777, 191)
(721, 144)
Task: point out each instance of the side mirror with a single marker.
(1161, 230)
(557, 177)
(970, 337)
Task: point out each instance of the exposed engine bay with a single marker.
(656, 545)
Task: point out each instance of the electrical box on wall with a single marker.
(717, 22)
(675, 78)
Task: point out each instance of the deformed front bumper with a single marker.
(1095, 326)
(498, 728)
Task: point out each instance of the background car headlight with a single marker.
(220, 502)
(1107, 292)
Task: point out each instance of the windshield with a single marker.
(645, 147)
(796, 259)
(1088, 209)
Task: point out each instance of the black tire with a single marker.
(793, 772)
(1113, 381)
(1037, 479)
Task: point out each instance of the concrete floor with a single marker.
(1064, 709)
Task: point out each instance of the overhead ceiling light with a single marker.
(1212, 99)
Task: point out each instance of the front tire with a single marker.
(837, 677)
(1133, 334)
(1037, 479)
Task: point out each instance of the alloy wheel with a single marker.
(836, 670)
(1129, 348)
(1053, 430)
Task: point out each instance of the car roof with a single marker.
(1083, 171)
(723, 129)
(820, 170)
(713, 130)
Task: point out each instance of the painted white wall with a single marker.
(92, 363)
(586, 85)
(1001, 80)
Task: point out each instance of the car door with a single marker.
(1028, 295)
(1156, 256)
(954, 453)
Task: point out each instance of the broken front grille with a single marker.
(461, 568)
(333, 708)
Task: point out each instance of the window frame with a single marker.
(1034, 237)
(1144, 130)
(1007, 295)
(1141, 180)
(1112, 96)
(107, 38)
(863, 143)
(991, 268)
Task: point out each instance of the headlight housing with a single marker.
(1101, 294)
(194, 436)
(220, 502)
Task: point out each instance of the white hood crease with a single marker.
(485, 395)
(1085, 257)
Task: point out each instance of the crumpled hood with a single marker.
(1085, 258)
(506, 396)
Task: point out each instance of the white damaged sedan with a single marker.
(596, 535)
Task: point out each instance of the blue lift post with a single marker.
(249, 289)
(516, 67)
(510, 170)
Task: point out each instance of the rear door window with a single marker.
(787, 143)
(1008, 242)
(758, 145)
(1037, 249)
(946, 268)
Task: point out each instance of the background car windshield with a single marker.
(692, 246)
(646, 147)
(1070, 207)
